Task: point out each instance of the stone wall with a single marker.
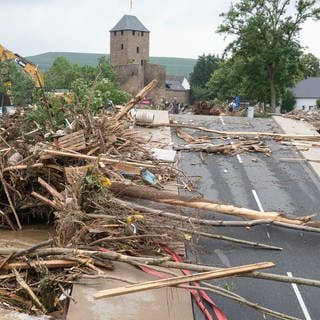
(128, 47)
(183, 96)
(130, 77)
(155, 71)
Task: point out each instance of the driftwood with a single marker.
(93, 158)
(276, 136)
(190, 139)
(148, 285)
(206, 286)
(144, 92)
(227, 148)
(142, 192)
(191, 221)
(161, 261)
(4, 184)
(5, 216)
(25, 286)
(230, 239)
(50, 264)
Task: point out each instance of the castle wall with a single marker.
(158, 72)
(130, 77)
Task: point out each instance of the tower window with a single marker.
(115, 33)
(142, 62)
(133, 33)
(138, 49)
(121, 32)
(142, 33)
(122, 46)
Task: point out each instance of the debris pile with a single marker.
(311, 116)
(104, 191)
(204, 108)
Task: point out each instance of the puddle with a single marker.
(29, 235)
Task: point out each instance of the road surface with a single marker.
(267, 184)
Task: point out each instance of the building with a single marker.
(307, 92)
(177, 87)
(129, 57)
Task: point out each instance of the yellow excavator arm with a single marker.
(28, 67)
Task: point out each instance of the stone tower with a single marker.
(129, 57)
(129, 42)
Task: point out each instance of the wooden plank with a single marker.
(74, 141)
(169, 282)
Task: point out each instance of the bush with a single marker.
(318, 103)
(288, 101)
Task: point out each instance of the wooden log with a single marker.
(34, 247)
(277, 136)
(50, 189)
(163, 262)
(190, 139)
(312, 226)
(50, 264)
(22, 167)
(93, 158)
(169, 282)
(144, 92)
(143, 192)
(46, 201)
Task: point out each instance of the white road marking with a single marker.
(239, 158)
(300, 300)
(221, 119)
(238, 155)
(257, 200)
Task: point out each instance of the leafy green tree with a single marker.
(204, 67)
(226, 81)
(310, 66)
(89, 88)
(61, 74)
(16, 84)
(266, 35)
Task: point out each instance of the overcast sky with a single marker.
(179, 28)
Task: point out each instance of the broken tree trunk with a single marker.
(144, 92)
(149, 193)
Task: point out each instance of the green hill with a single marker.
(174, 66)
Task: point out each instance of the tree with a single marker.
(288, 101)
(16, 84)
(61, 74)
(226, 82)
(89, 88)
(266, 35)
(204, 67)
(310, 66)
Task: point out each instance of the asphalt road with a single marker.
(268, 184)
